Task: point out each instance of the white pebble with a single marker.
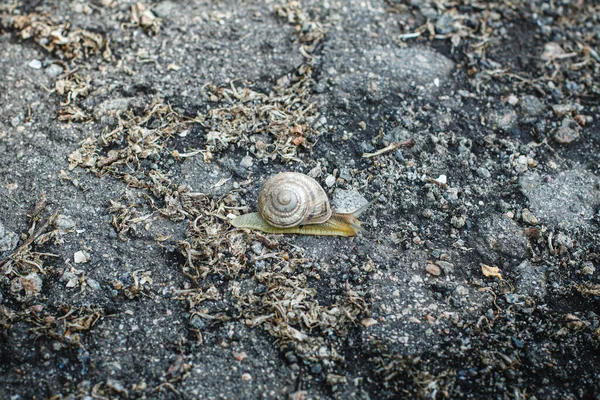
(246, 162)
(35, 64)
(80, 257)
(330, 180)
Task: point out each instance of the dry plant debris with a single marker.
(141, 15)
(23, 265)
(270, 126)
(136, 137)
(310, 32)
(58, 38)
(400, 373)
(477, 28)
(25, 270)
(288, 309)
(66, 325)
(273, 126)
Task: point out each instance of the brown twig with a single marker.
(405, 143)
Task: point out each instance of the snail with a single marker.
(294, 203)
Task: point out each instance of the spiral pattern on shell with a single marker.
(291, 199)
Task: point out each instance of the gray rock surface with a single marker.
(566, 200)
(381, 72)
(501, 237)
(8, 240)
(173, 302)
(347, 201)
(531, 280)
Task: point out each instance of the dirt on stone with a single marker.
(131, 133)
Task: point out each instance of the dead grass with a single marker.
(58, 38)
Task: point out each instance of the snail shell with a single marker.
(294, 203)
(292, 199)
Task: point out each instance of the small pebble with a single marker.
(80, 257)
(35, 64)
(345, 174)
(246, 162)
(551, 51)
(528, 217)
(92, 283)
(518, 343)
(64, 223)
(54, 70)
(197, 322)
(513, 100)
(483, 173)
(291, 357)
(399, 156)
(588, 268)
(447, 267)
(246, 377)
(442, 179)
(562, 109)
(458, 222)
(367, 322)
(316, 368)
(257, 248)
(566, 135)
(164, 9)
(563, 240)
(433, 269)
(330, 181)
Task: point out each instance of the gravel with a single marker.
(478, 261)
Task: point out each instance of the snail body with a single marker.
(294, 203)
